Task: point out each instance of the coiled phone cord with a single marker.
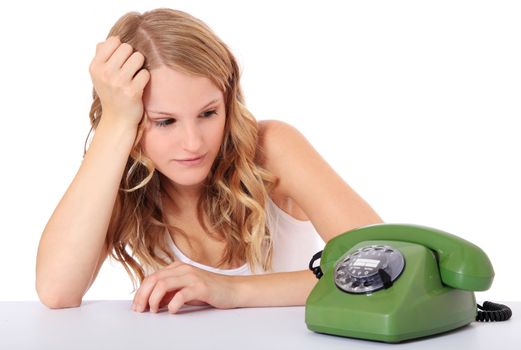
(493, 312)
(317, 271)
(489, 312)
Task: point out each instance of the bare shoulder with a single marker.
(310, 182)
(272, 135)
(267, 129)
(274, 138)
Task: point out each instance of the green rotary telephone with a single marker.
(395, 282)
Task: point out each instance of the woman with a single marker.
(184, 187)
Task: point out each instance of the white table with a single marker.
(113, 325)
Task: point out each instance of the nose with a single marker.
(191, 140)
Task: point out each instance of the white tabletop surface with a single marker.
(113, 325)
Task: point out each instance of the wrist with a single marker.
(119, 133)
(239, 291)
(117, 127)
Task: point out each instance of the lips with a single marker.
(189, 159)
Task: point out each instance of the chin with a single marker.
(187, 178)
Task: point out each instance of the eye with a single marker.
(165, 122)
(208, 114)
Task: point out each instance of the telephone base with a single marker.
(417, 304)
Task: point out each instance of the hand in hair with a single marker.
(179, 284)
(119, 79)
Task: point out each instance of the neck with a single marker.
(183, 198)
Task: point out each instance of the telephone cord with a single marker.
(493, 312)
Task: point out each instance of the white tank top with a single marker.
(294, 244)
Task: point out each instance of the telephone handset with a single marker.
(375, 282)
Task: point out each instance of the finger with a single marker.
(141, 79)
(119, 57)
(182, 297)
(159, 291)
(166, 299)
(142, 295)
(132, 65)
(167, 285)
(177, 268)
(143, 292)
(105, 49)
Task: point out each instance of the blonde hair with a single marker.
(235, 191)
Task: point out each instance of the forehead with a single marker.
(169, 88)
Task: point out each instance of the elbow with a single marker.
(56, 300)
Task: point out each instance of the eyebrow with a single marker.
(173, 114)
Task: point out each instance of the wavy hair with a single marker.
(235, 191)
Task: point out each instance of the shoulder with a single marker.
(280, 145)
(272, 134)
(305, 177)
(275, 136)
(271, 129)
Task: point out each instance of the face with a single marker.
(184, 119)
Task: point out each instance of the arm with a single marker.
(304, 176)
(179, 284)
(276, 289)
(71, 248)
(327, 200)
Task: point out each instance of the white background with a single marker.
(415, 104)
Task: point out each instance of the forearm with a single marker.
(275, 289)
(73, 238)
